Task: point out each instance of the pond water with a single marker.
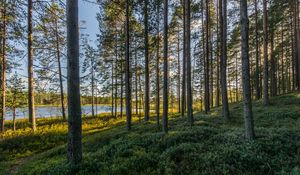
(54, 111)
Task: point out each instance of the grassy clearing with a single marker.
(210, 147)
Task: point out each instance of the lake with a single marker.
(54, 111)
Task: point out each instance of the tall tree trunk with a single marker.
(272, 68)
(31, 106)
(257, 55)
(147, 101)
(266, 67)
(211, 71)
(282, 61)
(165, 88)
(122, 84)
(74, 108)
(1, 55)
(127, 72)
(179, 73)
(206, 67)
(188, 61)
(93, 87)
(112, 88)
(62, 98)
(218, 62)
(157, 107)
(14, 119)
(136, 80)
(140, 96)
(248, 115)
(183, 91)
(236, 80)
(297, 30)
(3, 71)
(223, 61)
(116, 81)
(203, 55)
(294, 53)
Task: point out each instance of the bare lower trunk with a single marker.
(183, 91)
(248, 116)
(14, 119)
(165, 88)
(223, 66)
(266, 67)
(257, 55)
(62, 98)
(273, 86)
(147, 101)
(188, 62)
(74, 108)
(122, 84)
(112, 89)
(206, 66)
(157, 107)
(3, 70)
(127, 71)
(31, 106)
(179, 73)
(93, 88)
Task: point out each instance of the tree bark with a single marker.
(266, 67)
(62, 98)
(257, 55)
(112, 89)
(248, 115)
(3, 70)
(206, 67)
(157, 107)
(122, 84)
(236, 80)
(136, 80)
(218, 55)
(14, 119)
(31, 105)
(74, 108)
(183, 91)
(223, 61)
(179, 73)
(127, 71)
(147, 102)
(165, 88)
(188, 61)
(93, 87)
(273, 85)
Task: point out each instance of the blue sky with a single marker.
(87, 12)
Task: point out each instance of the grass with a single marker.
(212, 146)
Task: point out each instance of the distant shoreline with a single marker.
(109, 105)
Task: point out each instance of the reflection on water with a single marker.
(54, 111)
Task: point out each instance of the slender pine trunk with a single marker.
(147, 101)
(127, 71)
(188, 61)
(266, 64)
(74, 107)
(248, 115)
(31, 106)
(165, 87)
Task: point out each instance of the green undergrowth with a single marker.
(211, 146)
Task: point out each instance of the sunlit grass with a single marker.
(211, 146)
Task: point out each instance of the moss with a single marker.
(212, 146)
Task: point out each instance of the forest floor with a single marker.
(211, 146)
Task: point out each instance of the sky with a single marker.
(87, 13)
